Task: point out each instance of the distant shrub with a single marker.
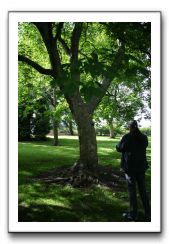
(33, 121)
(24, 124)
(105, 130)
(40, 122)
(102, 130)
(119, 130)
(146, 131)
(40, 126)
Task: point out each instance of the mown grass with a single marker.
(39, 201)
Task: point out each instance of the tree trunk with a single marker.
(88, 161)
(70, 128)
(55, 132)
(88, 145)
(111, 129)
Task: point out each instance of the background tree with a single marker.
(84, 59)
(67, 118)
(33, 108)
(54, 98)
(24, 123)
(31, 45)
(119, 106)
(40, 122)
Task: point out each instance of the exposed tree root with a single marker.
(105, 175)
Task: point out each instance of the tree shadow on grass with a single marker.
(55, 203)
(45, 213)
(95, 204)
(43, 200)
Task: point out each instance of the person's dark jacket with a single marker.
(133, 147)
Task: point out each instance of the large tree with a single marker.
(84, 59)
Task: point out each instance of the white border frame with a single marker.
(83, 16)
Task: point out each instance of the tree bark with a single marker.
(88, 144)
(70, 128)
(88, 161)
(55, 132)
(111, 128)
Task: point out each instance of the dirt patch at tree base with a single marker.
(105, 175)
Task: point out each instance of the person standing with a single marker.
(134, 164)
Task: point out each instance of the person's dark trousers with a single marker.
(138, 179)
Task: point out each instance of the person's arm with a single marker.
(146, 141)
(121, 146)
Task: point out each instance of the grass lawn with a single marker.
(39, 201)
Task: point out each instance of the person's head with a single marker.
(133, 126)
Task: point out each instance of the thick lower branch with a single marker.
(34, 65)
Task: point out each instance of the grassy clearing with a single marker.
(42, 202)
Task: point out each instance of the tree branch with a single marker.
(75, 42)
(65, 46)
(95, 100)
(58, 32)
(45, 29)
(36, 66)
